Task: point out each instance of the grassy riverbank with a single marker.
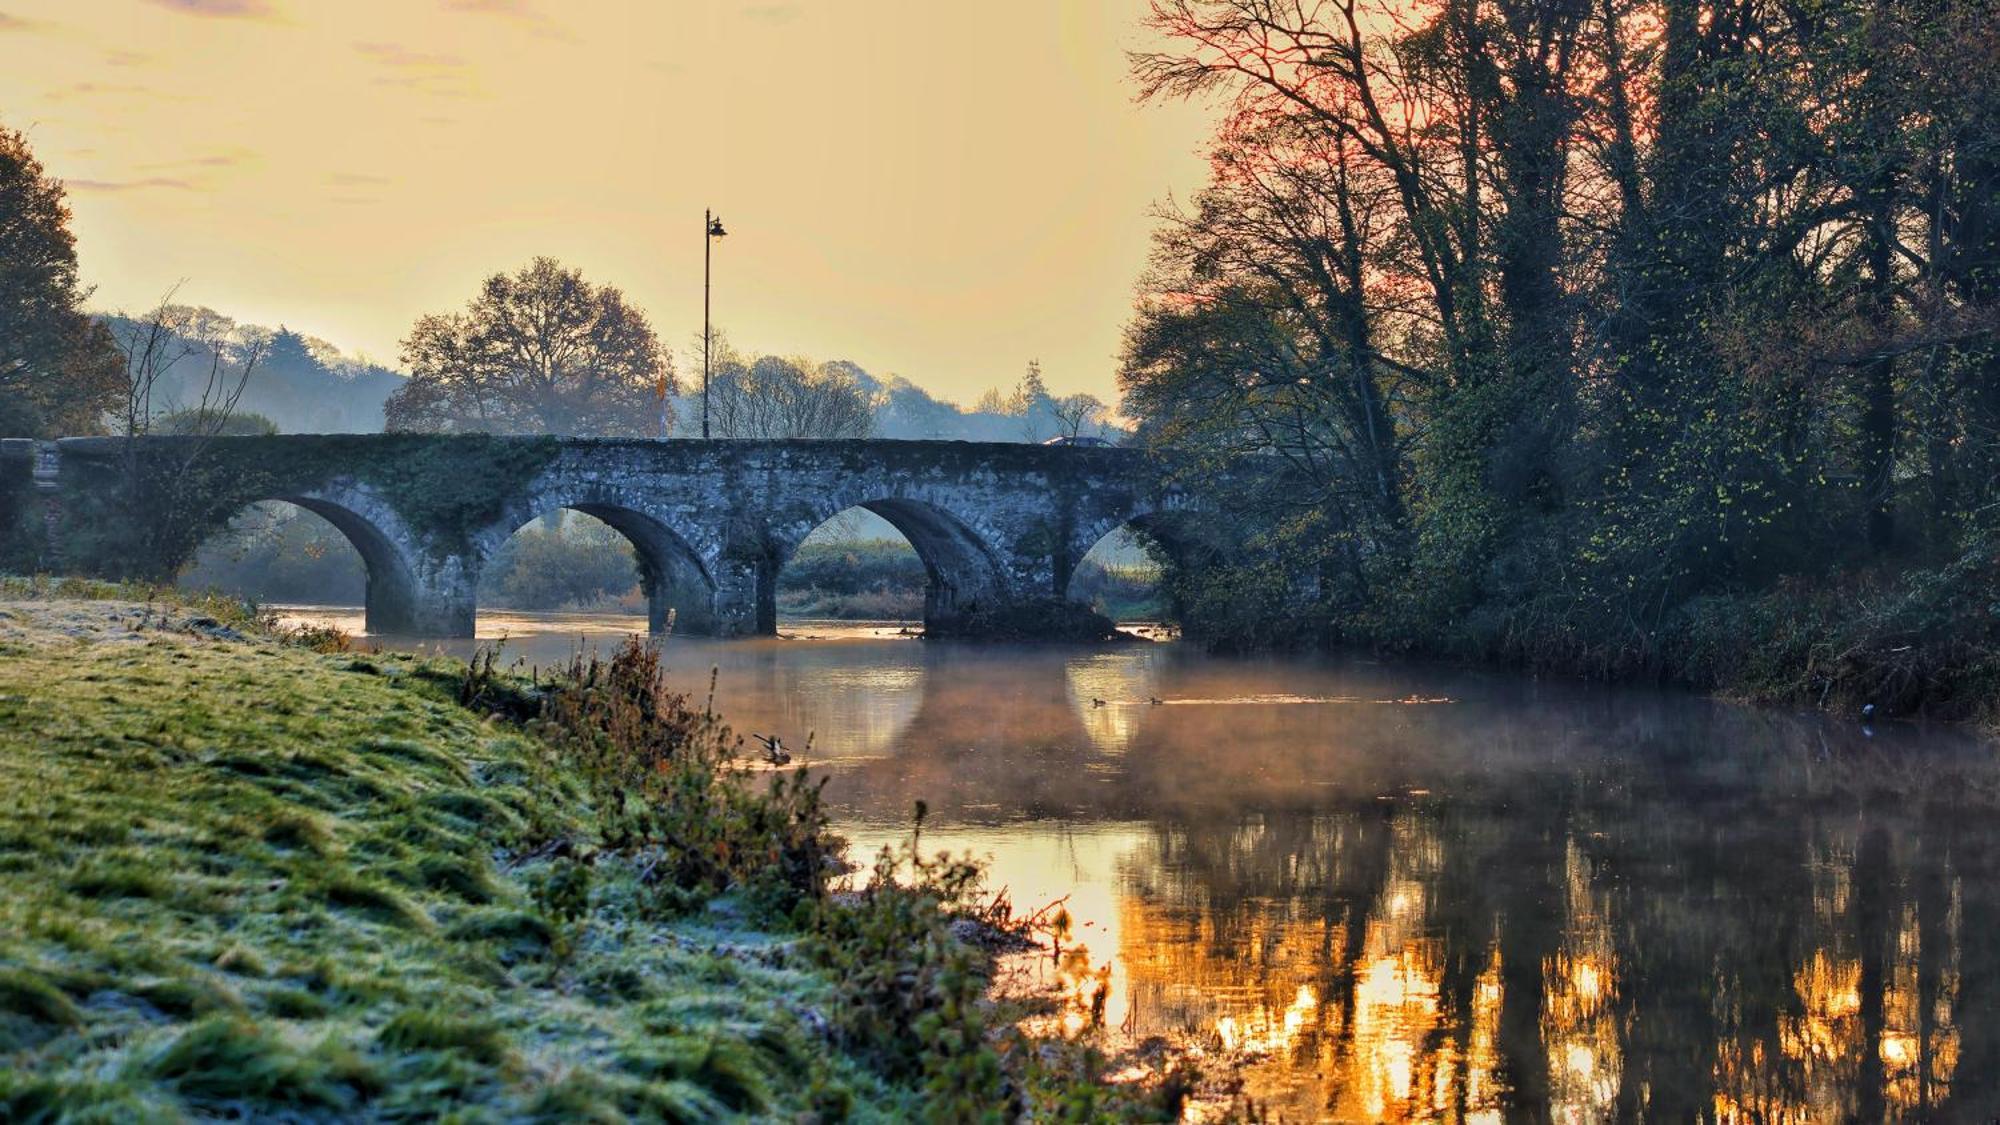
(243, 877)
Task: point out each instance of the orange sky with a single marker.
(942, 190)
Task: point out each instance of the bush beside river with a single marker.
(1920, 641)
(246, 874)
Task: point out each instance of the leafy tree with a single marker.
(905, 410)
(539, 351)
(1551, 318)
(1033, 388)
(59, 370)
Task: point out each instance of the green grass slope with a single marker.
(242, 879)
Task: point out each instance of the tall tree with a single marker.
(1583, 307)
(59, 370)
(538, 351)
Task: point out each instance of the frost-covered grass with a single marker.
(247, 874)
(241, 878)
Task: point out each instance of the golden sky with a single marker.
(942, 190)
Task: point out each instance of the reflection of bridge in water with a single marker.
(997, 525)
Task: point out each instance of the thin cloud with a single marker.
(122, 57)
(108, 186)
(94, 89)
(422, 71)
(396, 55)
(231, 159)
(773, 13)
(355, 179)
(223, 9)
(10, 22)
(519, 11)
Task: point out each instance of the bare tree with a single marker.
(1074, 413)
(158, 479)
(167, 339)
(786, 397)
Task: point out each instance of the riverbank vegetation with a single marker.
(1645, 338)
(855, 579)
(245, 875)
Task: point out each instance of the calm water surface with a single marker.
(1412, 893)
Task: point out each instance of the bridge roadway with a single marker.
(996, 524)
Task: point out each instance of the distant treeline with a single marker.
(300, 383)
(303, 384)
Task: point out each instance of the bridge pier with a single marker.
(765, 612)
(435, 599)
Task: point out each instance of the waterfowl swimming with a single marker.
(1096, 702)
(774, 750)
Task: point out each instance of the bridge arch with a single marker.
(963, 571)
(393, 600)
(1168, 529)
(679, 586)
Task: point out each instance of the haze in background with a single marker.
(938, 191)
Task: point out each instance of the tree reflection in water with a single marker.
(1529, 902)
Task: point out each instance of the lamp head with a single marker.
(715, 227)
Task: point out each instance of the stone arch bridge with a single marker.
(997, 525)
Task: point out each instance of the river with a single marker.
(1408, 892)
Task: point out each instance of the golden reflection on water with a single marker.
(1407, 894)
(1107, 691)
(1579, 986)
(1885, 1032)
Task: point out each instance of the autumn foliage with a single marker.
(1555, 317)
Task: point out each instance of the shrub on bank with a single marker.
(1923, 641)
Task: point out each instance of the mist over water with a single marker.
(1410, 892)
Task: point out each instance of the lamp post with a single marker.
(711, 229)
